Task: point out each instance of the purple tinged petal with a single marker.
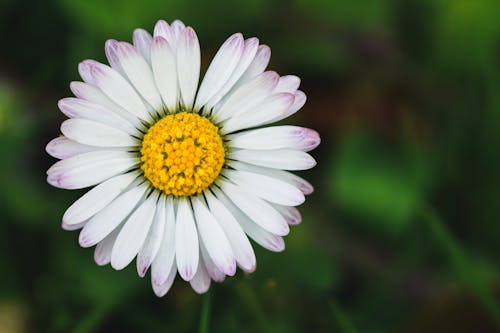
(111, 49)
(142, 41)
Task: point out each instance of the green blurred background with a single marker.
(402, 233)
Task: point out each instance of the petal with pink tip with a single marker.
(220, 69)
(257, 209)
(139, 73)
(117, 89)
(62, 147)
(285, 176)
(161, 290)
(97, 198)
(81, 108)
(142, 41)
(109, 218)
(95, 96)
(88, 169)
(248, 54)
(258, 234)
(259, 114)
(267, 188)
(102, 252)
(201, 280)
(247, 96)
(276, 137)
(242, 249)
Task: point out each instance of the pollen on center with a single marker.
(182, 154)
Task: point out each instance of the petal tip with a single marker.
(187, 273)
(229, 268)
(249, 268)
(84, 240)
(142, 267)
(50, 147)
(117, 265)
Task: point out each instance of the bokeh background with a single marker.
(403, 231)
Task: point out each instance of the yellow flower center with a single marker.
(182, 154)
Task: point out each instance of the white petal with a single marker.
(109, 218)
(291, 214)
(286, 159)
(257, 66)
(257, 209)
(262, 237)
(153, 241)
(84, 69)
(89, 132)
(242, 249)
(142, 41)
(133, 233)
(247, 96)
(88, 169)
(186, 241)
(165, 258)
(288, 84)
(80, 108)
(248, 54)
(178, 27)
(163, 29)
(261, 113)
(298, 103)
(267, 188)
(72, 227)
(188, 66)
(165, 71)
(276, 137)
(62, 147)
(220, 69)
(111, 50)
(96, 96)
(285, 176)
(161, 289)
(102, 252)
(97, 198)
(213, 238)
(201, 280)
(118, 89)
(212, 270)
(139, 73)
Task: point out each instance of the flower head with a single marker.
(182, 174)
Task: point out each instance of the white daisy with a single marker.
(182, 177)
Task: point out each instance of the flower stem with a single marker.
(205, 312)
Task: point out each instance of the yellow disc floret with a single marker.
(182, 154)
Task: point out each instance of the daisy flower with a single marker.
(183, 174)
